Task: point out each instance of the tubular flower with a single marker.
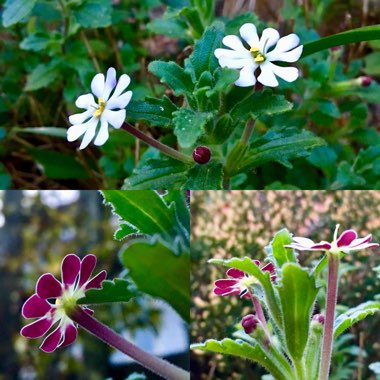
(239, 283)
(108, 110)
(348, 241)
(75, 282)
(286, 49)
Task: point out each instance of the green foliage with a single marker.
(208, 176)
(16, 10)
(277, 250)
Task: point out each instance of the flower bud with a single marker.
(366, 81)
(249, 323)
(320, 318)
(201, 155)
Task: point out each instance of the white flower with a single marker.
(109, 109)
(248, 60)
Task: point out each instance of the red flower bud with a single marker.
(320, 318)
(201, 155)
(249, 323)
(366, 81)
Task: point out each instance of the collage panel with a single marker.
(94, 285)
(282, 282)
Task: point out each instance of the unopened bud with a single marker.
(366, 81)
(201, 155)
(249, 323)
(320, 318)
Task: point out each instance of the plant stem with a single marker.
(300, 369)
(156, 144)
(328, 332)
(159, 366)
(248, 130)
(260, 315)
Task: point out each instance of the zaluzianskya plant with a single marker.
(282, 334)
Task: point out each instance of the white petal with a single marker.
(247, 77)
(76, 131)
(249, 34)
(103, 135)
(267, 77)
(219, 53)
(90, 133)
(234, 63)
(287, 43)
(289, 56)
(268, 39)
(86, 101)
(122, 84)
(115, 118)
(80, 118)
(234, 43)
(303, 241)
(97, 85)
(110, 83)
(289, 74)
(119, 102)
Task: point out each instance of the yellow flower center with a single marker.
(248, 281)
(100, 109)
(257, 55)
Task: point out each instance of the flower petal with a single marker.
(110, 83)
(103, 134)
(96, 282)
(268, 268)
(70, 268)
(226, 291)
(249, 34)
(267, 77)
(69, 336)
(303, 241)
(231, 54)
(52, 341)
(321, 246)
(269, 38)
(90, 132)
(346, 238)
(289, 74)
(120, 101)
(234, 43)
(359, 247)
(87, 266)
(233, 63)
(35, 307)
(97, 85)
(86, 101)
(247, 77)
(80, 118)
(235, 273)
(122, 84)
(76, 131)
(37, 329)
(48, 286)
(289, 56)
(225, 283)
(360, 241)
(115, 118)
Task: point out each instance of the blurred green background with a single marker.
(37, 229)
(241, 223)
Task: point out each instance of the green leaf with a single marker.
(224, 79)
(16, 10)
(203, 58)
(172, 27)
(372, 63)
(174, 76)
(158, 174)
(194, 20)
(94, 14)
(144, 210)
(152, 110)
(366, 33)
(156, 270)
(277, 250)
(57, 165)
(190, 125)
(42, 75)
(118, 290)
(248, 266)
(260, 104)
(247, 351)
(156, 112)
(221, 130)
(355, 315)
(46, 131)
(41, 41)
(281, 147)
(205, 177)
(297, 292)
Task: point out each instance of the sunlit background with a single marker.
(37, 229)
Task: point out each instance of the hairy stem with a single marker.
(260, 315)
(156, 144)
(159, 366)
(248, 130)
(328, 332)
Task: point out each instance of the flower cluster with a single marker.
(63, 296)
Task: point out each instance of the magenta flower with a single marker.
(63, 295)
(239, 283)
(348, 241)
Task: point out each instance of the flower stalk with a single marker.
(158, 366)
(167, 150)
(328, 332)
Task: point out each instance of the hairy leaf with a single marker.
(277, 250)
(205, 177)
